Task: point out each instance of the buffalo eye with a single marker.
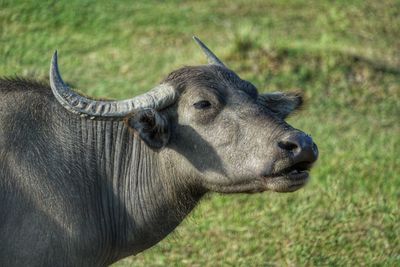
(202, 104)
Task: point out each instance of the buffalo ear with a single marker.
(280, 103)
(152, 127)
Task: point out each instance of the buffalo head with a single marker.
(213, 128)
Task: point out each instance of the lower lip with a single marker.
(297, 176)
(287, 182)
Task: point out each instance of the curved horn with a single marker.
(212, 58)
(159, 97)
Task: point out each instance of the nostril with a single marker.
(287, 145)
(315, 150)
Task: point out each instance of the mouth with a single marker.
(288, 179)
(295, 171)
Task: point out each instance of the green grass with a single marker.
(344, 55)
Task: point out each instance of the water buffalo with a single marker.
(86, 182)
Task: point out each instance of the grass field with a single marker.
(345, 57)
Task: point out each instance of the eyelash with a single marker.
(204, 104)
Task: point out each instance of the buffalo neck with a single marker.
(140, 198)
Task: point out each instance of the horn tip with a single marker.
(54, 71)
(198, 41)
(54, 58)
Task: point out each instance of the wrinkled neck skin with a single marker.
(143, 197)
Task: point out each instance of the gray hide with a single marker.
(81, 191)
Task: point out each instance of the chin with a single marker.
(282, 183)
(287, 179)
(285, 184)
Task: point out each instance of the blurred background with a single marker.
(344, 56)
